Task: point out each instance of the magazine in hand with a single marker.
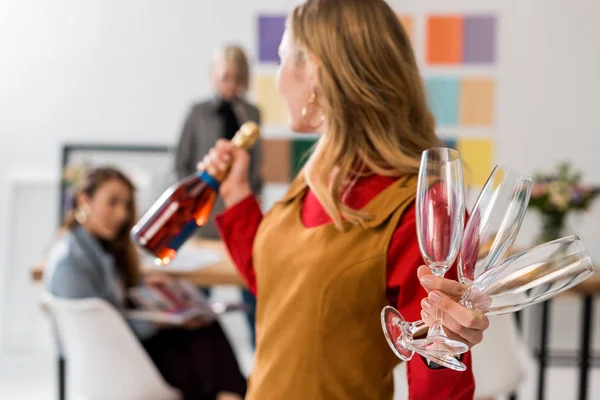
(175, 303)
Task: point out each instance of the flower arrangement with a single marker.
(555, 195)
(73, 174)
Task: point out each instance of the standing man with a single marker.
(220, 116)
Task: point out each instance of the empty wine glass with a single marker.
(492, 228)
(524, 280)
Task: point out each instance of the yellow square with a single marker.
(270, 103)
(407, 23)
(477, 102)
(477, 157)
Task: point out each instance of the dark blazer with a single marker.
(201, 130)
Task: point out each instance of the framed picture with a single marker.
(150, 168)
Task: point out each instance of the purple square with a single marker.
(480, 39)
(270, 31)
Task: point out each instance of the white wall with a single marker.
(109, 70)
(96, 71)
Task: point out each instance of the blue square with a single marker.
(443, 98)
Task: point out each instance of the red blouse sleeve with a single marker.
(238, 226)
(405, 292)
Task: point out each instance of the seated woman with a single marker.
(96, 258)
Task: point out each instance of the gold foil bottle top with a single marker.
(247, 135)
(245, 138)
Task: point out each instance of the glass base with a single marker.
(443, 359)
(397, 333)
(439, 345)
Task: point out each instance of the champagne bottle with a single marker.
(184, 207)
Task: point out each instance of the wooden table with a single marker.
(222, 273)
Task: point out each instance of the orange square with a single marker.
(444, 39)
(407, 24)
(477, 102)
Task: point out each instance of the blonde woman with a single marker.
(342, 242)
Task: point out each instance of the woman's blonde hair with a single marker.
(370, 89)
(235, 56)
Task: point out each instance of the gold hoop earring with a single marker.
(311, 101)
(312, 125)
(81, 214)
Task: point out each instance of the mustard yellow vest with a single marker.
(320, 294)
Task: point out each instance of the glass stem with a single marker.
(437, 330)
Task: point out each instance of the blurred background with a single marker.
(85, 82)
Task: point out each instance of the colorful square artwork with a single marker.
(480, 39)
(276, 166)
(477, 155)
(443, 97)
(456, 100)
(453, 40)
(301, 151)
(270, 103)
(407, 23)
(444, 40)
(477, 102)
(449, 142)
(270, 32)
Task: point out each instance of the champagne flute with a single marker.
(440, 210)
(494, 222)
(524, 280)
(530, 277)
(492, 228)
(527, 279)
